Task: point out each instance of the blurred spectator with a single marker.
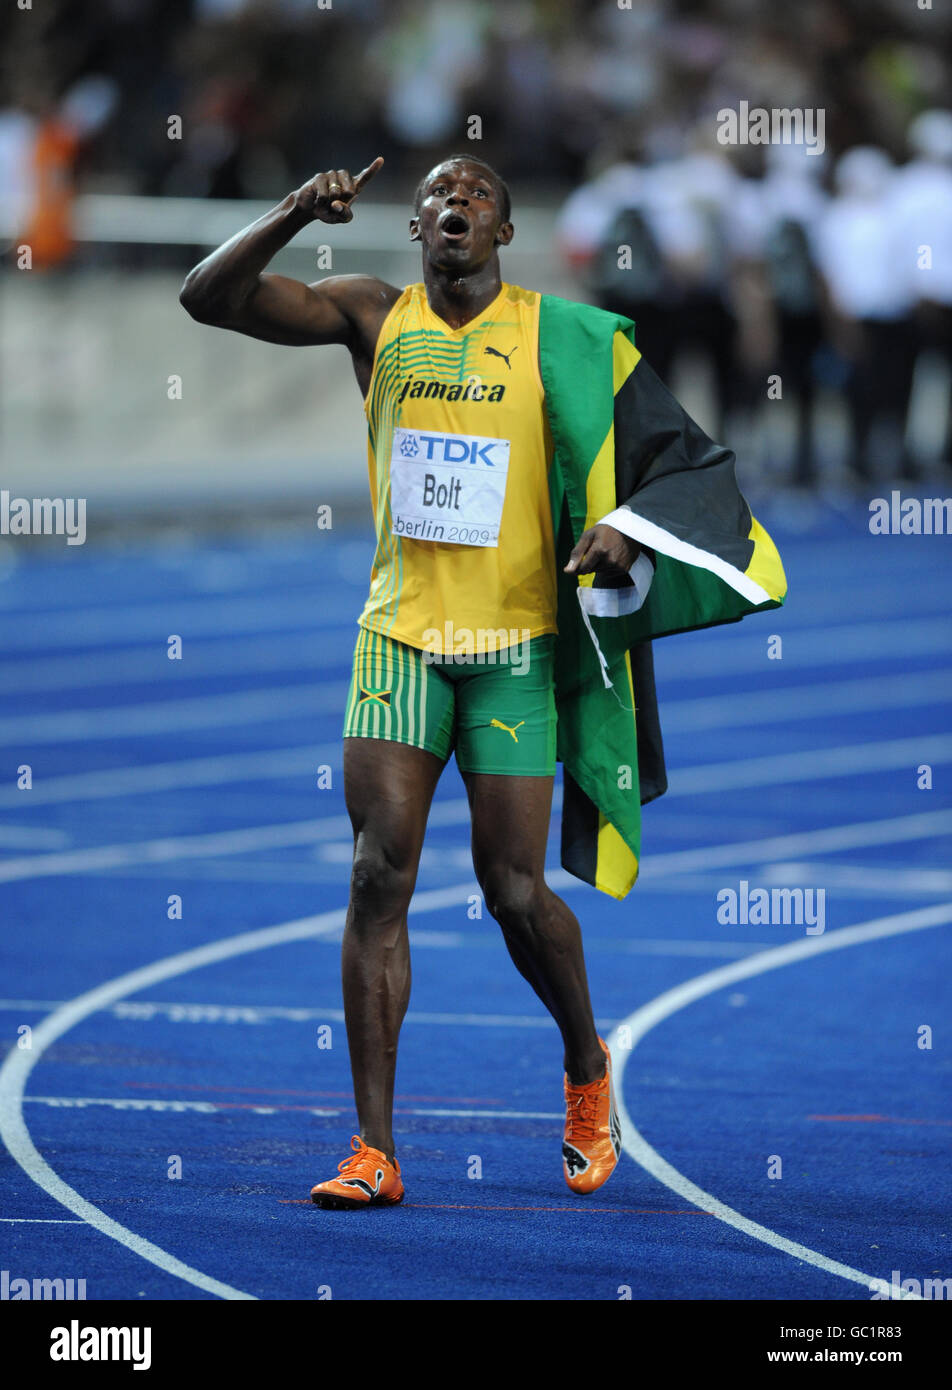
(860, 258)
(17, 138)
(742, 259)
(427, 58)
(790, 207)
(48, 228)
(553, 80)
(40, 147)
(656, 244)
(923, 210)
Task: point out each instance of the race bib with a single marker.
(447, 487)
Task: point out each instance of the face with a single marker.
(459, 222)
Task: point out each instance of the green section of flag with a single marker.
(675, 479)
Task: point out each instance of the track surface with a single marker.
(199, 778)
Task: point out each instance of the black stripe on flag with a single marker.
(668, 471)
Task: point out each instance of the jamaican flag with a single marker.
(626, 453)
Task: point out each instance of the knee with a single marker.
(381, 884)
(513, 899)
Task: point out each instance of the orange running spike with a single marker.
(592, 1142)
(367, 1179)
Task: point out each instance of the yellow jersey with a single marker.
(459, 452)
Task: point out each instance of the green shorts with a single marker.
(498, 714)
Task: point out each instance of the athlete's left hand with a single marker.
(604, 549)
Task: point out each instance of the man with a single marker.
(462, 437)
(923, 213)
(870, 290)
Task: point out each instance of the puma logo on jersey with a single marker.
(494, 352)
(574, 1161)
(365, 1186)
(498, 724)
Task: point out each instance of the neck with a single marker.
(459, 298)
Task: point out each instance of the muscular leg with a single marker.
(510, 827)
(388, 787)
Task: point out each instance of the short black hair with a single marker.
(503, 196)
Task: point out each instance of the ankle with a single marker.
(583, 1071)
(385, 1147)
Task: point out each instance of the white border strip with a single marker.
(617, 603)
(639, 529)
(641, 1022)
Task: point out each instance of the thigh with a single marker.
(510, 818)
(397, 737)
(397, 697)
(388, 788)
(506, 747)
(505, 714)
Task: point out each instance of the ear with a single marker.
(414, 229)
(504, 234)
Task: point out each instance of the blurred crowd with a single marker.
(269, 91)
(764, 258)
(820, 273)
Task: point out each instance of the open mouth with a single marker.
(453, 226)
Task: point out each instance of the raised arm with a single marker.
(229, 288)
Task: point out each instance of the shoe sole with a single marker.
(330, 1202)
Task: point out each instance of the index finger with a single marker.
(367, 174)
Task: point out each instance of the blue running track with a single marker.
(187, 1080)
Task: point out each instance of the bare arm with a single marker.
(229, 288)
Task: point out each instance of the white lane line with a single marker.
(173, 1107)
(644, 1019)
(310, 619)
(493, 1114)
(303, 619)
(649, 947)
(199, 575)
(306, 700)
(22, 837)
(279, 762)
(174, 589)
(456, 812)
(219, 1107)
(170, 850)
(198, 581)
(172, 715)
(204, 659)
(41, 1221)
(863, 880)
(843, 644)
(921, 825)
(219, 842)
(146, 1010)
(811, 765)
(142, 778)
(439, 864)
(797, 702)
(19, 1063)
